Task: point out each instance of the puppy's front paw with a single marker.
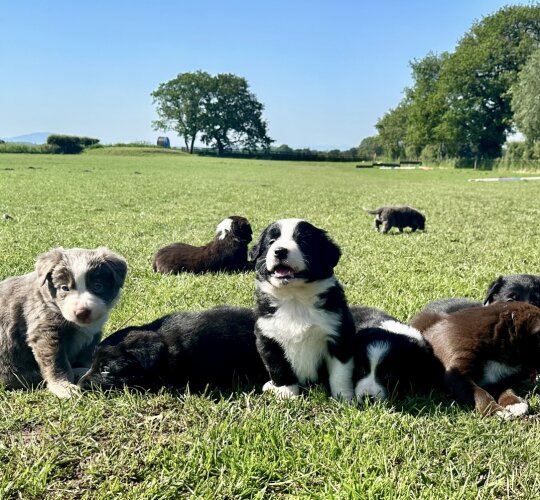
(64, 390)
(282, 391)
(516, 410)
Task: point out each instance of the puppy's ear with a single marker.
(257, 249)
(241, 228)
(116, 263)
(331, 252)
(46, 262)
(148, 352)
(493, 289)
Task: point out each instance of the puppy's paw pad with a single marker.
(64, 390)
(518, 409)
(282, 391)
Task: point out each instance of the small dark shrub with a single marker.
(70, 144)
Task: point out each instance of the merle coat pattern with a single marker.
(227, 252)
(304, 327)
(51, 319)
(213, 347)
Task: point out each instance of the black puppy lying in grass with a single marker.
(213, 347)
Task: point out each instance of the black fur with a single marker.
(309, 259)
(398, 216)
(515, 287)
(212, 347)
(408, 363)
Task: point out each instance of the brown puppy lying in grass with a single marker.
(483, 351)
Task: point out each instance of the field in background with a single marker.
(234, 445)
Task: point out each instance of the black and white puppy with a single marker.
(227, 252)
(211, 347)
(304, 327)
(515, 287)
(390, 357)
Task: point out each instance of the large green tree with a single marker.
(392, 129)
(476, 79)
(220, 109)
(526, 98)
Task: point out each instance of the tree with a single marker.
(526, 98)
(476, 79)
(181, 105)
(220, 108)
(370, 148)
(392, 129)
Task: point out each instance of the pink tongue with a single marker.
(283, 271)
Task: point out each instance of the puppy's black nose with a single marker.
(281, 252)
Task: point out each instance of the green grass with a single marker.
(171, 445)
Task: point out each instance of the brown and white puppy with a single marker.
(227, 252)
(51, 319)
(484, 350)
(397, 216)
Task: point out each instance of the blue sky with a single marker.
(325, 70)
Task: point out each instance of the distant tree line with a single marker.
(464, 104)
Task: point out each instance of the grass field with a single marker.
(171, 445)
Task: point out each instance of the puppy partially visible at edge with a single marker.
(397, 216)
(227, 252)
(51, 319)
(484, 350)
(304, 328)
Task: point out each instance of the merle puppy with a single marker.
(51, 319)
(390, 357)
(227, 252)
(484, 350)
(397, 216)
(304, 327)
(515, 287)
(212, 347)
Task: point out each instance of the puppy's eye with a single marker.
(97, 287)
(64, 288)
(273, 240)
(104, 369)
(511, 298)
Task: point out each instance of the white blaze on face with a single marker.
(223, 228)
(295, 258)
(80, 298)
(369, 386)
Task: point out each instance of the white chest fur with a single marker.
(300, 327)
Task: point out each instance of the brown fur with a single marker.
(228, 253)
(469, 341)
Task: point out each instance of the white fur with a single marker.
(514, 411)
(300, 327)
(369, 386)
(340, 378)
(402, 329)
(81, 298)
(295, 258)
(494, 371)
(223, 228)
(283, 391)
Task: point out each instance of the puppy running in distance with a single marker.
(398, 216)
(484, 350)
(51, 319)
(390, 357)
(215, 346)
(227, 252)
(304, 327)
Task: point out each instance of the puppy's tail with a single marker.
(377, 211)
